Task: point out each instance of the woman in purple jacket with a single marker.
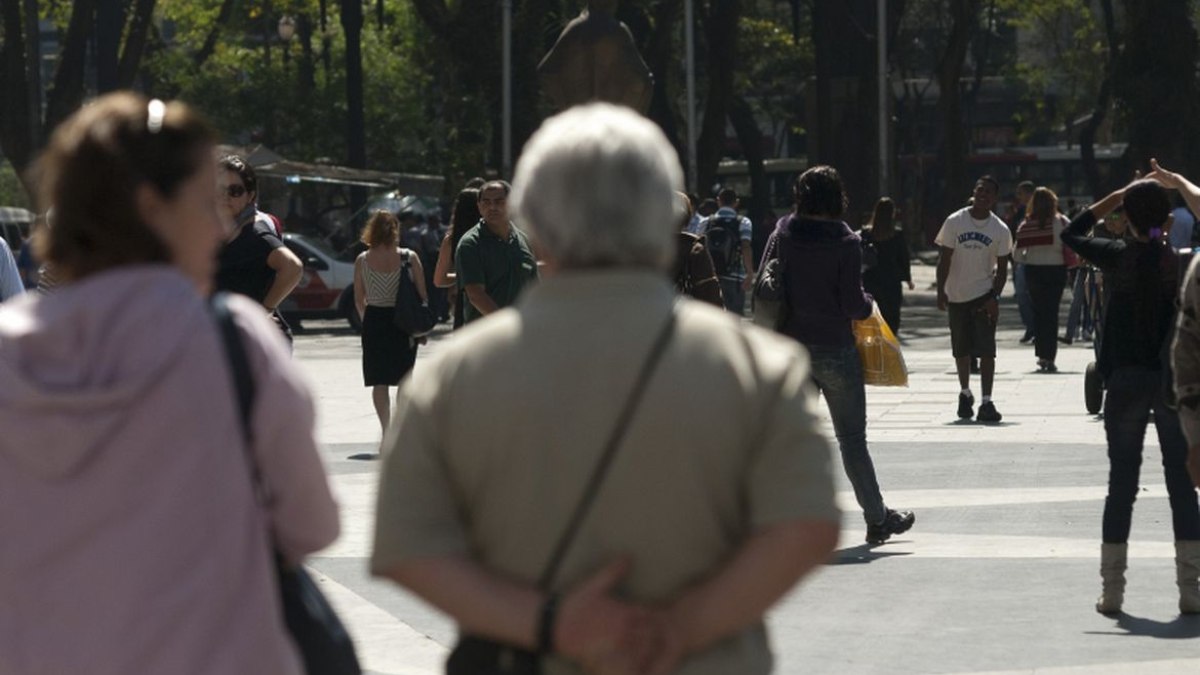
(822, 262)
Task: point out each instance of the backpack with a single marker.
(724, 243)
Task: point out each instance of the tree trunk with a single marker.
(356, 133)
(1087, 137)
(661, 56)
(949, 74)
(110, 21)
(741, 116)
(135, 43)
(720, 29)
(214, 33)
(18, 124)
(1156, 80)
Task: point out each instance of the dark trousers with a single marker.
(889, 296)
(1132, 394)
(1045, 284)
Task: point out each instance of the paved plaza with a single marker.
(997, 576)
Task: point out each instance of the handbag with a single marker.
(769, 296)
(474, 655)
(411, 314)
(325, 646)
(879, 350)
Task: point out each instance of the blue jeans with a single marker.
(1132, 393)
(734, 296)
(837, 372)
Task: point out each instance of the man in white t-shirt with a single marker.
(975, 250)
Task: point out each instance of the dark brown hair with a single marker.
(90, 172)
(819, 192)
(244, 171)
(883, 218)
(382, 229)
(464, 217)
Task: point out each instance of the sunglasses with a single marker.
(235, 191)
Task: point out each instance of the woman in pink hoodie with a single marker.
(130, 537)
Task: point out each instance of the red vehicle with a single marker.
(326, 291)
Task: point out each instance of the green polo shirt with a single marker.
(504, 267)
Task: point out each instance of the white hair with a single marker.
(595, 185)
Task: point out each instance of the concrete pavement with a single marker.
(998, 575)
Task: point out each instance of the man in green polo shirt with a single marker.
(493, 260)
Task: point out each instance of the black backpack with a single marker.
(724, 243)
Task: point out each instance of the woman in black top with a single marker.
(885, 262)
(464, 217)
(1141, 278)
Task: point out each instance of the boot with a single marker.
(1187, 575)
(1113, 559)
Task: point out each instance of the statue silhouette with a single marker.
(595, 59)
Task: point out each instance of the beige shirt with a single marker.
(494, 439)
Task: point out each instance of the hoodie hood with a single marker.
(73, 364)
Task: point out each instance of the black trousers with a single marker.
(1045, 284)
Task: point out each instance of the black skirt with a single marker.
(388, 353)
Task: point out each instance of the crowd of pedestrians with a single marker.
(519, 523)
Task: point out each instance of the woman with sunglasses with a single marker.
(254, 261)
(137, 541)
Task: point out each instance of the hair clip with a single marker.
(156, 111)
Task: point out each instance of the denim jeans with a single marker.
(734, 295)
(1132, 393)
(837, 372)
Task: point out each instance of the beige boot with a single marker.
(1187, 575)
(1112, 573)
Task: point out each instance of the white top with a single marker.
(1048, 254)
(977, 244)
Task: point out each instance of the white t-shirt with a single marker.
(977, 244)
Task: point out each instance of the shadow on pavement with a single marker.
(861, 555)
(1180, 628)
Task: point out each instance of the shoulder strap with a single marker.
(610, 451)
(243, 380)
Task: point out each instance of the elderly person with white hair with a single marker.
(546, 481)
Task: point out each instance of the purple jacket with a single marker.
(823, 261)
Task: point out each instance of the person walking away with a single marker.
(388, 352)
(694, 273)
(822, 258)
(728, 237)
(138, 543)
(1040, 251)
(463, 218)
(1141, 278)
(706, 521)
(975, 247)
(494, 260)
(254, 261)
(1020, 288)
(883, 279)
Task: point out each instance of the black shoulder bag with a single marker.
(325, 646)
(411, 315)
(768, 298)
(481, 656)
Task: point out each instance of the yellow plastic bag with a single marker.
(879, 350)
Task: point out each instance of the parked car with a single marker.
(326, 291)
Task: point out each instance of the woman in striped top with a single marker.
(388, 352)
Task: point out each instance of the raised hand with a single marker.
(1167, 179)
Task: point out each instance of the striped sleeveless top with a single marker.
(381, 286)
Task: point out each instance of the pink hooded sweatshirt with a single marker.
(130, 538)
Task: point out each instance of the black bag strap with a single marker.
(610, 451)
(243, 380)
